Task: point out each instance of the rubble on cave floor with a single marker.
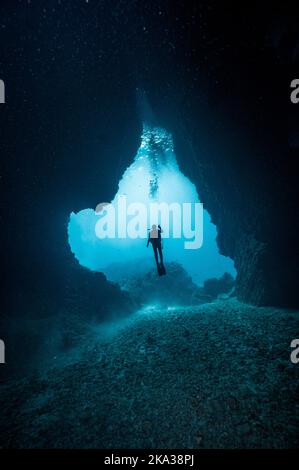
(216, 375)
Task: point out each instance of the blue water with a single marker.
(153, 176)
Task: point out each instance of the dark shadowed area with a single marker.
(133, 360)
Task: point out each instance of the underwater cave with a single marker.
(153, 177)
(103, 350)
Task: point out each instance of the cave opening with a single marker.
(154, 177)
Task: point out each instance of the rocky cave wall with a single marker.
(212, 74)
(236, 134)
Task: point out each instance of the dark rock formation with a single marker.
(214, 287)
(236, 132)
(217, 75)
(91, 295)
(176, 288)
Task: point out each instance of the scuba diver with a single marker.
(154, 237)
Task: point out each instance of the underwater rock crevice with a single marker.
(246, 179)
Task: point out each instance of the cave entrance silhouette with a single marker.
(153, 176)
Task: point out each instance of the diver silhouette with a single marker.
(154, 237)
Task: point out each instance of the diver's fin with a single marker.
(162, 269)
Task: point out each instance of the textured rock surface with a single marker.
(176, 288)
(217, 77)
(213, 376)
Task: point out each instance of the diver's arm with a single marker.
(159, 227)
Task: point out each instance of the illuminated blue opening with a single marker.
(154, 176)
